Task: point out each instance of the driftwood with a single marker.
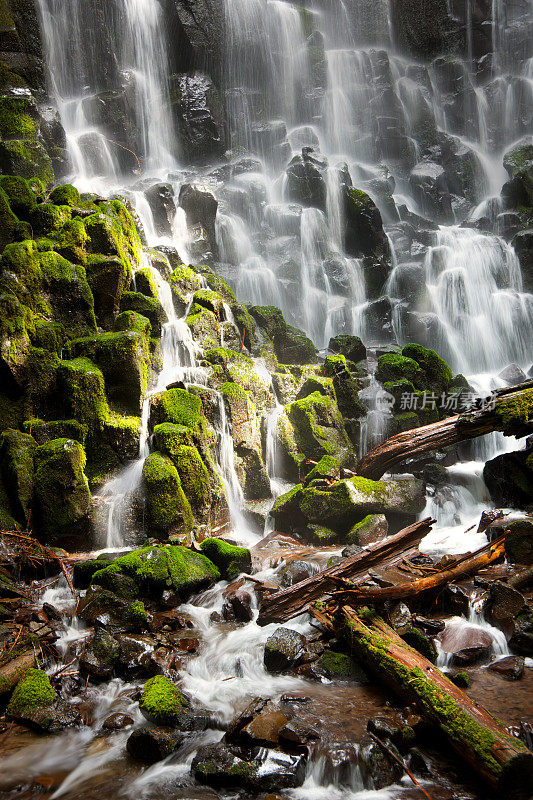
(296, 599)
(467, 565)
(511, 412)
(482, 741)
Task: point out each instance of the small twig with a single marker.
(399, 761)
(61, 669)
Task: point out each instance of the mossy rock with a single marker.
(184, 281)
(61, 495)
(108, 278)
(121, 614)
(26, 157)
(345, 387)
(145, 282)
(204, 326)
(167, 507)
(438, 374)
(328, 468)
(113, 233)
(292, 346)
(414, 637)
(319, 428)
(48, 218)
(17, 450)
(230, 560)
(149, 307)
(315, 383)
(34, 691)
(519, 541)
(370, 529)
(233, 367)
(43, 431)
(154, 569)
(162, 702)
(195, 479)
(81, 387)
(21, 194)
(10, 227)
(179, 407)
(66, 195)
(124, 359)
(340, 667)
(133, 321)
(394, 367)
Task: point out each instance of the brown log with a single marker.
(502, 760)
(12, 672)
(511, 413)
(296, 599)
(468, 565)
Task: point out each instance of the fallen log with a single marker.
(296, 599)
(502, 760)
(468, 565)
(12, 671)
(510, 411)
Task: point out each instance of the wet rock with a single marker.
(284, 650)
(373, 528)
(391, 729)
(519, 541)
(518, 161)
(117, 722)
(414, 637)
(513, 375)
(295, 572)
(424, 28)
(34, 703)
(430, 188)
(161, 200)
(162, 702)
(197, 105)
(264, 728)
(510, 668)
(340, 667)
(219, 766)
(106, 609)
(521, 640)
(153, 744)
(16, 451)
(468, 645)
(99, 657)
(456, 598)
(523, 247)
(296, 732)
(230, 560)
(349, 346)
(503, 605)
(364, 233)
(305, 180)
(509, 479)
(400, 617)
(461, 679)
(238, 607)
(377, 767)
(200, 207)
(291, 345)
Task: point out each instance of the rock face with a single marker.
(509, 479)
(196, 103)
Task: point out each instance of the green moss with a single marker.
(113, 233)
(438, 373)
(515, 412)
(66, 195)
(395, 367)
(230, 560)
(148, 307)
(328, 467)
(319, 428)
(184, 281)
(366, 525)
(420, 642)
(48, 218)
(17, 450)
(194, 477)
(20, 194)
(56, 429)
(204, 326)
(82, 387)
(154, 569)
(145, 282)
(33, 691)
(133, 321)
(26, 157)
(338, 666)
(461, 679)
(162, 702)
(15, 121)
(179, 407)
(62, 497)
(168, 509)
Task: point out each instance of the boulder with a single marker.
(467, 644)
(200, 207)
(430, 189)
(295, 572)
(371, 529)
(61, 495)
(153, 744)
(230, 560)
(290, 344)
(148, 307)
(509, 479)
(168, 509)
(364, 235)
(512, 375)
(110, 611)
(351, 347)
(519, 541)
(196, 103)
(160, 198)
(318, 428)
(378, 768)
(99, 657)
(270, 771)
(35, 704)
(510, 668)
(504, 604)
(284, 650)
(305, 181)
(162, 702)
(152, 570)
(518, 162)
(16, 455)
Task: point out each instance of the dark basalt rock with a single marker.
(161, 200)
(378, 768)
(99, 657)
(284, 650)
(509, 479)
(200, 207)
(153, 744)
(196, 104)
(305, 179)
(510, 668)
(270, 771)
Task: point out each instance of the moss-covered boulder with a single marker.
(124, 359)
(22, 151)
(61, 493)
(162, 702)
(100, 656)
(230, 366)
(149, 307)
(319, 428)
(184, 282)
(519, 541)
(396, 367)
(33, 692)
(112, 232)
(340, 506)
(509, 479)
(345, 386)
(327, 470)
(195, 480)
(351, 347)
(370, 529)
(184, 409)
(168, 509)
(119, 614)
(204, 326)
(108, 278)
(229, 559)
(292, 346)
(81, 388)
(151, 570)
(438, 375)
(16, 457)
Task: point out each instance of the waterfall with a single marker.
(87, 56)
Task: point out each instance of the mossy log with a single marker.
(296, 599)
(510, 411)
(502, 760)
(12, 671)
(467, 565)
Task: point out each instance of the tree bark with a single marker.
(296, 599)
(361, 595)
(511, 413)
(503, 761)
(12, 672)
